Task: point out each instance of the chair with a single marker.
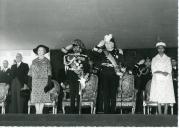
(66, 99)
(89, 94)
(3, 95)
(54, 92)
(126, 96)
(147, 105)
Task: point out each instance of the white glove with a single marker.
(123, 69)
(130, 72)
(101, 43)
(121, 51)
(69, 47)
(107, 38)
(141, 62)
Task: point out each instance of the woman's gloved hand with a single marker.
(29, 83)
(49, 85)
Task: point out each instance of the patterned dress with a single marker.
(39, 71)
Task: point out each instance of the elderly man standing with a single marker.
(19, 76)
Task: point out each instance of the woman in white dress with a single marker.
(162, 90)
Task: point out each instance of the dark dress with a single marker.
(18, 102)
(108, 81)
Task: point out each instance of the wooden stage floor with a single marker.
(89, 120)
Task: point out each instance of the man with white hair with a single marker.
(5, 73)
(19, 76)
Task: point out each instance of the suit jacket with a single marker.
(5, 76)
(20, 73)
(175, 73)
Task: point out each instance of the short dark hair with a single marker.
(78, 42)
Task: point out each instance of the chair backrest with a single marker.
(3, 91)
(54, 92)
(66, 90)
(126, 86)
(147, 90)
(90, 90)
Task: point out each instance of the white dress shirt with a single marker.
(18, 64)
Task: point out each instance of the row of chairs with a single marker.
(126, 96)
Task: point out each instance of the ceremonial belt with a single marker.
(72, 69)
(107, 65)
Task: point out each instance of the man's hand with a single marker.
(141, 62)
(107, 38)
(25, 87)
(165, 73)
(101, 43)
(69, 47)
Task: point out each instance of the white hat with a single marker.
(160, 44)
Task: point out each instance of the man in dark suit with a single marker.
(19, 76)
(175, 83)
(5, 73)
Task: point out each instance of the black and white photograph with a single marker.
(89, 63)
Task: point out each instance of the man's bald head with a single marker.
(5, 64)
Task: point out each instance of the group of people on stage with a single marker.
(21, 79)
(38, 77)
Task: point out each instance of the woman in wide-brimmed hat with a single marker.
(40, 74)
(45, 48)
(162, 85)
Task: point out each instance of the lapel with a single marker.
(19, 66)
(6, 70)
(15, 66)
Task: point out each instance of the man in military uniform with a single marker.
(76, 65)
(110, 62)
